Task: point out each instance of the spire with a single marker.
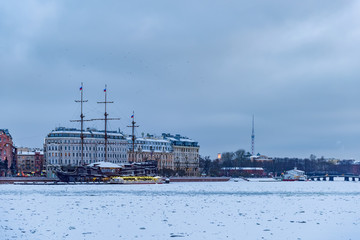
(253, 137)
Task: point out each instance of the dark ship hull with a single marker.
(81, 174)
(100, 174)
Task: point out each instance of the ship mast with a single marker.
(133, 138)
(81, 101)
(105, 119)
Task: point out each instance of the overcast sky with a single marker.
(198, 68)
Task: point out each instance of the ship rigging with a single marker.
(92, 170)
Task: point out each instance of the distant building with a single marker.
(260, 158)
(29, 161)
(7, 151)
(152, 148)
(243, 171)
(294, 174)
(186, 153)
(63, 147)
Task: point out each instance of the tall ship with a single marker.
(108, 172)
(78, 155)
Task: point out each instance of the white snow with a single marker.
(218, 210)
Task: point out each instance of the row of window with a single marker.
(77, 161)
(177, 159)
(78, 148)
(155, 148)
(188, 149)
(187, 144)
(48, 141)
(155, 156)
(186, 154)
(152, 143)
(110, 155)
(85, 135)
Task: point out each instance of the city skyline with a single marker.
(201, 69)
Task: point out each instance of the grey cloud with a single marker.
(200, 68)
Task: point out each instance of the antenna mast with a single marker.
(106, 119)
(82, 124)
(253, 137)
(133, 138)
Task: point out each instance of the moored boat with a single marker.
(294, 175)
(105, 171)
(135, 180)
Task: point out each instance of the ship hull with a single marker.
(101, 173)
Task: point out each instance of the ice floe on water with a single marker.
(219, 210)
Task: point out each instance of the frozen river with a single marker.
(224, 210)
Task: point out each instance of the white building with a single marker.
(63, 147)
(260, 158)
(151, 143)
(186, 153)
(152, 148)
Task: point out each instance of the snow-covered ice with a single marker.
(218, 210)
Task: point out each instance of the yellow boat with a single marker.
(136, 180)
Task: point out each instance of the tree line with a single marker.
(278, 165)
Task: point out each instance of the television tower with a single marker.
(253, 137)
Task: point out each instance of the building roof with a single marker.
(295, 170)
(149, 140)
(88, 133)
(29, 153)
(178, 140)
(6, 131)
